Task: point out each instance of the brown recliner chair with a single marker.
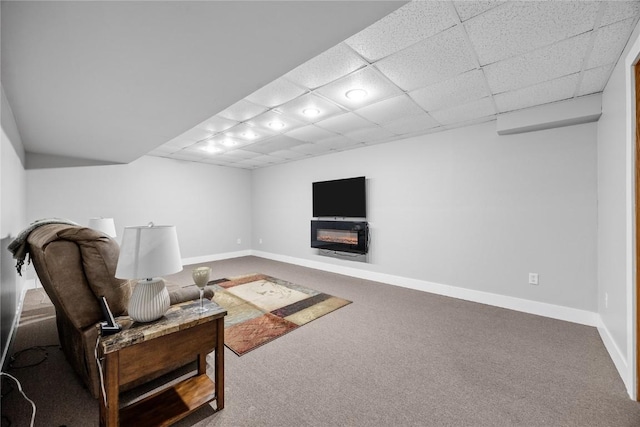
(76, 266)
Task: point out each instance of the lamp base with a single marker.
(149, 300)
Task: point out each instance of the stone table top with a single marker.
(178, 317)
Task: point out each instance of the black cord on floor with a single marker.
(13, 360)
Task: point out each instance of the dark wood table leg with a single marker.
(219, 362)
(109, 414)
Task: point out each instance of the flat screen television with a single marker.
(340, 198)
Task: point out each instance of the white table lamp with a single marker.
(147, 252)
(106, 225)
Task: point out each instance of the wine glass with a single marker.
(201, 278)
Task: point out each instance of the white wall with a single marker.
(12, 219)
(13, 177)
(209, 205)
(612, 206)
(616, 254)
(466, 208)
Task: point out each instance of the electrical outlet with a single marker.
(606, 300)
(533, 278)
(260, 241)
(239, 240)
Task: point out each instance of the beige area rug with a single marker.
(261, 308)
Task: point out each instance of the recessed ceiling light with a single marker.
(228, 142)
(249, 134)
(210, 148)
(310, 112)
(276, 124)
(356, 94)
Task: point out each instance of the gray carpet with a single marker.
(395, 357)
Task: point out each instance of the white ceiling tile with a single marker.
(311, 149)
(469, 9)
(275, 93)
(344, 123)
(206, 149)
(537, 52)
(458, 90)
(594, 80)
(619, 10)
(377, 86)
(538, 66)
(609, 42)
(295, 108)
(238, 154)
(390, 109)
(330, 65)
(370, 134)
(217, 124)
(289, 154)
(268, 121)
(412, 124)
(522, 26)
(276, 143)
(311, 133)
(542, 93)
(242, 110)
(226, 142)
(417, 66)
(402, 28)
(460, 113)
(338, 143)
(248, 133)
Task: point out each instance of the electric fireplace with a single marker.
(340, 236)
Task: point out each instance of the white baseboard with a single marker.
(619, 359)
(216, 257)
(553, 311)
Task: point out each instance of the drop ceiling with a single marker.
(426, 66)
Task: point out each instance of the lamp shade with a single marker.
(149, 251)
(106, 225)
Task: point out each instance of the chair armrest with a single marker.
(188, 293)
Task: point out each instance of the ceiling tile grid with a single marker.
(594, 80)
(376, 86)
(390, 109)
(609, 42)
(412, 124)
(417, 66)
(469, 9)
(518, 27)
(461, 113)
(427, 67)
(619, 11)
(560, 59)
(461, 89)
(275, 93)
(542, 93)
(330, 65)
(407, 25)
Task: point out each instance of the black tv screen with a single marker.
(340, 197)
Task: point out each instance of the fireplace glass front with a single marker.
(341, 236)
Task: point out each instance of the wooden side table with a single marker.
(142, 349)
